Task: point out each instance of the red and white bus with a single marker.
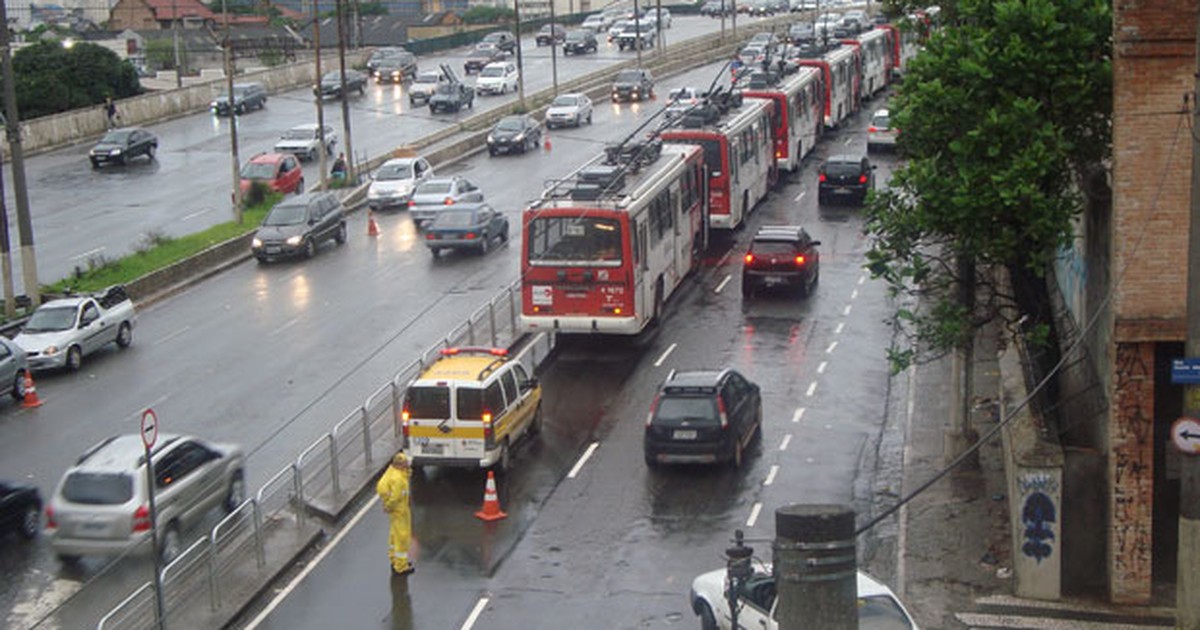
(799, 113)
(605, 247)
(906, 43)
(841, 67)
(739, 152)
(878, 59)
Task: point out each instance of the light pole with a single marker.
(317, 94)
(341, 31)
(234, 161)
(12, 129)
(637, 31)
(520, 66)
(553, 56)
(175, 37)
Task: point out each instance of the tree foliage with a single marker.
(1000, 117)
(51, 78)
(482, 14)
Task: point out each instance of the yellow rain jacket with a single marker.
(393, 493)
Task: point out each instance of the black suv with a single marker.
(845, 177)
(396, 68)
(635, 84)
(783, 256)
(580, 41)
(551, 34)
(704, 416)
(246, 96)
(331, 84)
(296, 226)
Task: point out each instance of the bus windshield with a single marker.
(574, 240)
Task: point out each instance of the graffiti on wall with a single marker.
(1132, 470)
(1039, 514)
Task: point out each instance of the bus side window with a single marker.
(641, 246)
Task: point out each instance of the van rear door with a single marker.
(430, 423)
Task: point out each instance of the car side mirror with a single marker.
(815, 243)
(873, 167)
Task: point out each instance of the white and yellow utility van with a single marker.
(469, 408)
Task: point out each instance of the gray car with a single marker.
(298, 225)
(470, 226)
(439, 193)
(101, 504)
(13, 367)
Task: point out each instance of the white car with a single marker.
(424, 85)
(393, 184)
(681, 100)
(881, 134)
(569, 110)
(305, 142)
(878, 606)
(615, 29)
(596, 23)
(497, 78)
(652, 17)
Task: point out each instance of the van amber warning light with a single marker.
(497, 352)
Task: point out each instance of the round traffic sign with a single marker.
(149, 428)
(1185, 433)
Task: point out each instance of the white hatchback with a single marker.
(880, 134)
(498, 78)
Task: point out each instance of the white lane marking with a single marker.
(808, 460)
(812, 387)
(723, 283)
(37, 601)
(846, 311)
(754, 514)
(291, 322)
(475, 612)
(153, 403)
(801, 195)
(582, 460)
(829, 350)
(173, 335)
(848, 141)
(862, 278)
(87, 253)
(337, 539)
(665, 354)
(821, 368)
(724, 259)
(799, 414)
(854, 294)
(771, 475)
(196, 214)
(840, 326)
(828, 427)
(787, 439)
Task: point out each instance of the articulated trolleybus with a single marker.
(604, 247)
(798, 117)
(878, 54)
(841, 66)
(735, 133)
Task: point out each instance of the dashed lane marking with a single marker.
(821, 368)
(195, 214)
(771, 475)
(475, 612)
(799, 414)
(854, 294)
(862, 279)
(787, 439)
(173, 335)
(812, 387)
(846, 311)
(840, 326)
(665, 354)
(801, 195)
(582, 460)
(87, 254)
(291, 322)
(831, 347)
(754, 514)
(724, 282)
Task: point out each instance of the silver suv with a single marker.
(101, 505)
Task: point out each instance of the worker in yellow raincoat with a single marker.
(394, 494)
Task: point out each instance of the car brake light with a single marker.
(411, 203)
(50, 522)
(471, 236)
(721, 410)
(488, 436)
(862, 179)
(799, 260)
(653, 409)
(871, 129)
(141, 519)
(821, 177)
(429, 236)
(749, 258)
(449, 201)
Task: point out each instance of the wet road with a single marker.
(617, 545)
(82, 216)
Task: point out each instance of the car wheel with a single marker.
(747, 289)
(31, 522)
(95, 163)
(300, 187)
(150, 151)
(124, 335)
(485, 244)
(237, 492)
(171, 544)
(74, 358)
(651, 461)
(504, 89)
(708, 621)
(18, 386)
(504, 235)
(310, 248)
(435, 251)
(340, 235)
(589, 118)
(311, 155)
(68, 559)
(491, 152)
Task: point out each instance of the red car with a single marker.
(280, 171)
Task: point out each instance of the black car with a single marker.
(246, 97)
(580, 41)
(481, 56)
(397, 68)
(634, 84)
(845, 178)
(781, 256)
(702, 417)
(20, 510)
(121, 145)
(331, 83)
(551, 34)
(502, 40)
(296, 226)
(380, 54)
(466, 226)
(514, 134)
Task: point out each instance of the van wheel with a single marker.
(340, 235)
(172, 544)
(124, 335)
(74, 358)
(535, 427)
(504, 464)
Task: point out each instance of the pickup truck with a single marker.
(60, 332)
(425, 84)
(637, 35)
(452, 97)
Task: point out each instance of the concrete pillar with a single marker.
(815, 568)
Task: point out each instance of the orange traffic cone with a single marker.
(31, 399)
(546, 142)
(372, 226)
(491, 504)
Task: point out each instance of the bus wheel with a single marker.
(658, 300)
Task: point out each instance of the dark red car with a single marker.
(280, 171)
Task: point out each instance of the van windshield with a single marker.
(427, 402)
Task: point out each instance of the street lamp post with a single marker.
(341, 31)
(317, 94)
(520, 66)
(234, 161)
(29, 275)
(553, 56)
(175, 37)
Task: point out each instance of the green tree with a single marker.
(1002, 116)
(51, 78)
(488, 15)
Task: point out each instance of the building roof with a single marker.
(178, 9)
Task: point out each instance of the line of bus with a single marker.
(798, 117)
(841, 68)
(878, 56)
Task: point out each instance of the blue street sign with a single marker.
(1185, 371)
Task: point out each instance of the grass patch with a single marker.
(156, 251)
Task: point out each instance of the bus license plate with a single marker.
(681, 434)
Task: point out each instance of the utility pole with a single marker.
(10, 305)
(553, 56)
(175, 37)
(815, 566)
(234, 161)
(12, 130)
(520, 67)
(1187, 583)
(317, 94)
(660, 32)
(341, 31)
(637, 26)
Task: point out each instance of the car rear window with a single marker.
(470, 403)
(843, 169)
(673, 411)
(428, 402)
(880, 121)
(433, 188)
(93, 488)
(772, 247)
